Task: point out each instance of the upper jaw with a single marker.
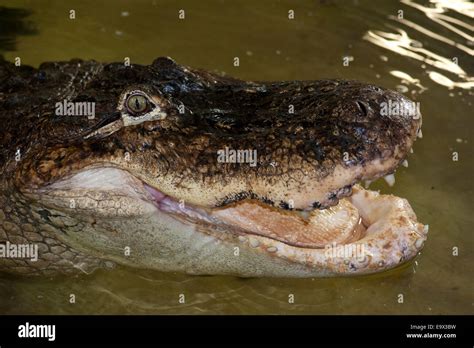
(338, 136)
(306, 160)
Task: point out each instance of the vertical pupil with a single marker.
(137, 104)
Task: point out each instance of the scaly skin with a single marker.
(25, 223)
(309, 158)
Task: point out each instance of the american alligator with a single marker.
(161, 175)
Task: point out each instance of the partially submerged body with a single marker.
(142, 183)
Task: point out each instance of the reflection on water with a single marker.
(403, 44)
(145, 292)
(419, 53)
(13, 22)
(407, 79)
(444, 81)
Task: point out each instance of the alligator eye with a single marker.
(137, 104)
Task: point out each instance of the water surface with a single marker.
(414, 53)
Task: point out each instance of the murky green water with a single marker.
(273, 47)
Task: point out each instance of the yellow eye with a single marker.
(137, 104)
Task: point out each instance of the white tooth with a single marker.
(419, 243)
(367, 183)
(411, 150)
(426, 229)
(405, 163)
(390, 179)
(420, 134)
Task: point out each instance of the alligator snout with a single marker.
(183, 166)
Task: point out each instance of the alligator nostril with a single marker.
(362, 107)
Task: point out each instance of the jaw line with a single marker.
(392, 237)
(393, 234)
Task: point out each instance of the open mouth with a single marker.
(364, 233)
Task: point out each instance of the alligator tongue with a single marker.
(339, 224)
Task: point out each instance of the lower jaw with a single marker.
(172, 233)
(389, 236)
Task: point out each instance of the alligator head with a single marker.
(178, 169)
